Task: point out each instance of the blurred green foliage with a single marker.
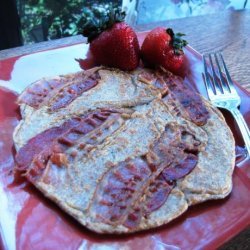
(47, 20)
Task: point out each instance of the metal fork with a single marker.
(222, 92)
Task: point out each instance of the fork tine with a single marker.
(224, 84)
(215, 82)
(229, 81)
(207, 79)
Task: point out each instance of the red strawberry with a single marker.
(113, 43)
(163, 48)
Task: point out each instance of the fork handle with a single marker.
(243, 128)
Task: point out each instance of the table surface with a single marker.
(227, 31)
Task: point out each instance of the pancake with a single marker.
(123, 151)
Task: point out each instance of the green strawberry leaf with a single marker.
(96, 21)
(177, 42)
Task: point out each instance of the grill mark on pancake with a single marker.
(175, 93)
(69, 93)
(56, 141)
(39, 92)
(124, 194)
(58, 92)
(85, 146)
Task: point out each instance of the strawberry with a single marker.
(113, 43)
(163, 48)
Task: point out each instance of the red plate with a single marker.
(30, 221)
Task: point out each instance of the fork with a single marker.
(222, 93)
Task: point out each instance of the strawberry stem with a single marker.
(177, 42)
